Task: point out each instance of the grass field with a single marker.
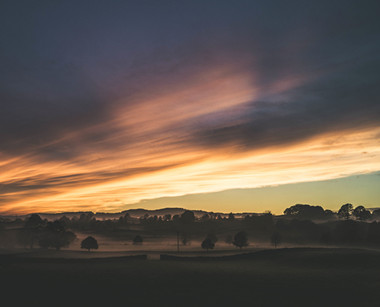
(282, 277)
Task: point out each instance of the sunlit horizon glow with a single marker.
(113, 181)
(166, 108)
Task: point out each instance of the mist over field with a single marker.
(208, 258)
(139, 230)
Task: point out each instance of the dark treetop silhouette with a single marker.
(89, 243)
(240, 239)
(207, 244)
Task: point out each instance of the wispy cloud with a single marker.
(232, 102)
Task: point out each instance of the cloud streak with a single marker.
(234, 101)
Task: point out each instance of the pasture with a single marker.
(282, 277)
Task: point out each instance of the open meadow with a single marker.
(282, 277)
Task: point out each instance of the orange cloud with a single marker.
(150, 152)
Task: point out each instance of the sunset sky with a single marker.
(241, 106)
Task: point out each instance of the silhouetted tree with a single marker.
(65, 221)
(260, 222)
(34, 221)
(275, 239)
(137, 240)
(345, 211)
(123, 220)
(185, 239)
(32, 230)
(212, 237)
(361, 213)
(167, 218)
(240, 239)
(187, 217)
(86, 221)
(329, 213)
(55, 235)
(176, 218)
(376, 214)
(305, 212)
(207, 244)
(231, 217)
(89, 243)
(205, 217)
(299, 231)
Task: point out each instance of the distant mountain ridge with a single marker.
(135, 213)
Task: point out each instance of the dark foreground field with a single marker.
(283, 277)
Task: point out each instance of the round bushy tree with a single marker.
(208, 244)
(275, 239)
(187, 217)
(89, 243)
(361, 213)
(345, 211)
(240, 239)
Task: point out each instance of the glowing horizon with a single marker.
(166, 108)
(106, 182)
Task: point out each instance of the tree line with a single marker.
(300, 224)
